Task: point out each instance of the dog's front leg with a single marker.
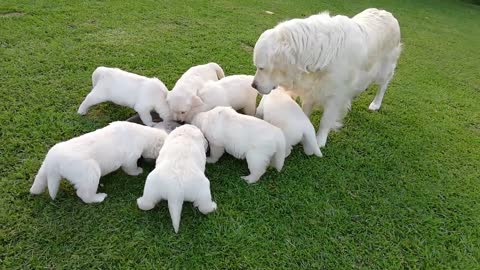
(307, 106)
(131, 168)
(215, 153)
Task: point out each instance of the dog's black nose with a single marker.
(254, 84)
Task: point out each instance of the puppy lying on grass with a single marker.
(84, 159)
(183, 96)
(179, 175)
(235, 91)
(127, 89)
(244, 137)
(280, 110)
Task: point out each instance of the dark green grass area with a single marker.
(399, 188)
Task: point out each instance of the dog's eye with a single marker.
(260, 68)
(182, 112)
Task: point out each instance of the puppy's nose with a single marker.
(254, 85)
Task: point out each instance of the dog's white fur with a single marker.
(84, 159)
(235, 91)
(244, 137)
(128, 89)
(329, 60)
(280, 110)
(179, 175)
(183, 96)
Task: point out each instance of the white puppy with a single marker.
(184, 94)
(329, 60)
(244, 137)
(179, 175)
(235, 91)
(280, 110)
(84, 159)
(127, 89)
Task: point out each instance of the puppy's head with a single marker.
(274, 61)
(181, 104)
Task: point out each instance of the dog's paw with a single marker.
(144, 205)
(374, 106)
(211, 160)
(250, 179)
(82, 111)
(322, 141)
(136, 172)
(99, 197)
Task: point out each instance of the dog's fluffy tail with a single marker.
(40, 182)
(279, 156)
(218, 70)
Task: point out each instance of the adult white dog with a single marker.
(244, 137)
(329, 60)
(179, 175)
(234, 91)
(184, 94)
(128, 89)
(280, 110)
(84, 159)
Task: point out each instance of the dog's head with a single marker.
(181, 103)
(283, 53)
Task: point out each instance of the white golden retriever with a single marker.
(235, 91)
(280, 110)
(84, 159)
(183, 96)
(128, 89)
(244, 137)
(329, 60)
(179, 175)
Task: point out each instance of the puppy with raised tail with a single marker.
(128, 89)
(244, 137)
(179, 175)
(84, 159)
(183, 96)
(280, 110)
(235, 91)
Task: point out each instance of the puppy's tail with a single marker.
(40, 182)
(97, 75)
(218, 70)
(309, 141)
(175, 203)
(279, 156)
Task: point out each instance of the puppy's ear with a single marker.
(197, 101)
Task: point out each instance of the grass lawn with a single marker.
(396, 189)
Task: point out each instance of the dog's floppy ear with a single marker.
(197, 101)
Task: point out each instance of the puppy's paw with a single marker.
(374, 106)
(322, 141)
(82, 111)
(136, 172)
(211, 160)
(99, 197)
(144, 204)
(250, 179)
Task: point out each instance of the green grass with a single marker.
(396, 189)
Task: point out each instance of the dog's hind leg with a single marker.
(204, 201)
(131, 168)
(87, 183)
(94, 97)
(40, 182)
(216, 153)
(257, 165)
(175, 204)
(385, 76)
(250, 108)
